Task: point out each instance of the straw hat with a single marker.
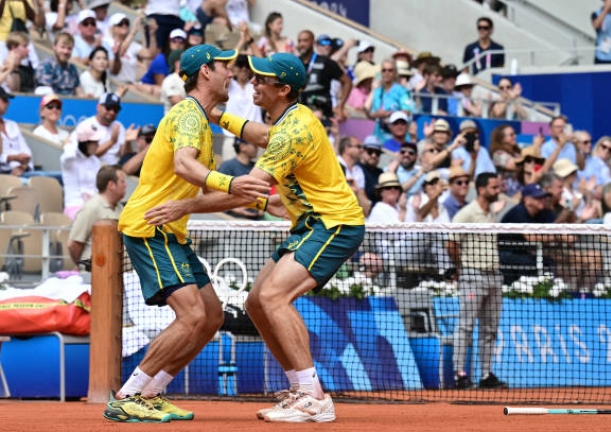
(564, 167)
(364, 70)
(403, 68)
(387, 180)
(456, 172)
(532, 152)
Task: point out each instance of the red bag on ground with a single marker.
(35, 314)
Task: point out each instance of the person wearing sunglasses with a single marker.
(132, 162)
(391, 203)
(459, 188)
(87, 38)
(410, 174)
(480, 49)
(370, 159)
(508, 105)
(596, 159)
(50, 114)
(112, 145)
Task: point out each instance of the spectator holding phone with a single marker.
(561, 143)
(475, 158)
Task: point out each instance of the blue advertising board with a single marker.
(550, 344)
(356, 10)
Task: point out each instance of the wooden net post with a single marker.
(106, 311)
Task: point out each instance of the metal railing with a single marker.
(553, 108)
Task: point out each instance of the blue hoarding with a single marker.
(356, 10)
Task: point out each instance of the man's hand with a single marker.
(167, 212)
(249, 187)
(131, 134)
(276, 208)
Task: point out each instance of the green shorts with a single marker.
(164, 265)
(320, 250)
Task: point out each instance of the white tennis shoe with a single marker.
(303, 408)
(284, 398)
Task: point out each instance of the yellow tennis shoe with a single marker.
(162, 404)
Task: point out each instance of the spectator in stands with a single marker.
(349, 156)
(244, 161)
(364, 74)
(432, 79)
(195, 36)
(321, 71)
(22, 10)
(112, 144)
(390, 206)
(364, 52)
(17, 72)
(94, 80)
(79, 166)
(480, 286)
(50, 113)
(238, 13)
(87, 38)
(397, 124)
(605, 204)
(425, 58)
(161, 17)
(159, 67)
(560, 141)
(531, 166)
(370, 159)
(404, 73)
(272, 41)
(459, 188)
(441, 135)
(131, 162)
(597, 160)
(106, 204)
(213, 11)
(240, 91)
(60, 19)
(521, 259)
(389, 97)
(601, 21)
(102, 19)
(576, 196)
(508, 105)
(448, 85)
(409, 173)
(505, 153)
(172, 86)
(57, 72)
(464, 87)
(480, 52)
(246, 43)
(475, 158)
(130, 53)
(553, 184)
(15, 154)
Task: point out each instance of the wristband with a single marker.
(259, 204)
(233, 123)
(218, 181)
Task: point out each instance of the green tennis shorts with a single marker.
(320, 250)
(164, 265)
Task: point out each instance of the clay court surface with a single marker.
(28, 416)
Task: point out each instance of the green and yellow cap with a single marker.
(286, 67)
(193, 58)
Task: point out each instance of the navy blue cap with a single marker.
(533, 190)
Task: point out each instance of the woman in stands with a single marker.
(272, 40)
(94, 81)
(50, 113)
(60, 19)
(509, 100)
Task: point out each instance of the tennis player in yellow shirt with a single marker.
(327, 227)
(178, 165)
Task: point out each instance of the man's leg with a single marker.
(463, 335)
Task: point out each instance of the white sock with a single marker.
(157, 385)
(134, 385)
(293, 380)
(309, 383)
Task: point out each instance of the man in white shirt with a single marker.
(240, 100)
(88, 38)
(16, 155)
(172, 87)
(112, 143)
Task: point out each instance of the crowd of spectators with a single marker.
(423, 174)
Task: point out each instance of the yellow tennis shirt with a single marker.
(186, 125)
(310, 180)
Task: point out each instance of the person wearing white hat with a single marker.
(88, 38)
(79, 165)
(100, 8)
(364, 52)
(130, 53)
(464, 86)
